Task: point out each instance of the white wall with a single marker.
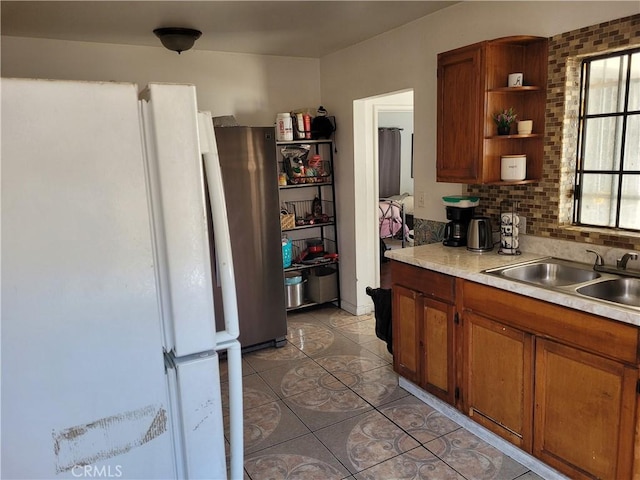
(251, 87)
(406, 58)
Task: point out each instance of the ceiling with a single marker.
(289, 28)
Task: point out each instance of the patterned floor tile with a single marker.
(530, 476)
(341, 345)
(324, 314)
(379, 347)
(361, 331)
(366, 440)
(269, 425)
(255, 392)
(362, 362)
(325, 380)
(416, 464)
(418, 419)
(224, 370)
(337, 318)
(326, 405)
(268, 358)
(304, 458)
(377, 386)
(293, 379)
(474, 458)
(311, 338)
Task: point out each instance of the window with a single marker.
(608, 163)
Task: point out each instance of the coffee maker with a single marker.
(459, 213)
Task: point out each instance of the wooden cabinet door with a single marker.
(498, 373)
(407, 320)
(460, 114)
(584, 412)
(437, 341)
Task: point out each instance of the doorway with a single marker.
(370, 114)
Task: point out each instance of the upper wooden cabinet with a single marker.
(472, 86)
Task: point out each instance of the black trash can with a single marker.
(382, 307)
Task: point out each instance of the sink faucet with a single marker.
(621, 263)
(599, 260)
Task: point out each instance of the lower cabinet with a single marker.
(423, 328)
(584, 412)
(559, 383)
(497, 369)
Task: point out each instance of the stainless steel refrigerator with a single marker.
(250, 177)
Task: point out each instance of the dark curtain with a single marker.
(388, 162)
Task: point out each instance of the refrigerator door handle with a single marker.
(224, 259)
(236, 419)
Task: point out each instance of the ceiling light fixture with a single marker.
(177, 39)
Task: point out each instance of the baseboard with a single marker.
(356, 309)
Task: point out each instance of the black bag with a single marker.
(382, 307)
(322, 126)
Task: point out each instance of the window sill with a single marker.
(601, 231)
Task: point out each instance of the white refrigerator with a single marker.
(110, 364)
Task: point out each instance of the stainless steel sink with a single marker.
(618, 290)
(550, 273)
(574, 278)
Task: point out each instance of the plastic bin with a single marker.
(287, 252)
(322, 284)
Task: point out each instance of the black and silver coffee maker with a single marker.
(459, 213)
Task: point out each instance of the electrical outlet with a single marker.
(421, 199)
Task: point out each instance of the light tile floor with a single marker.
(328, 406)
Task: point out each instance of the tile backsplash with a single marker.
(427, 231)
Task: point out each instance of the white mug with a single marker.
(509, 241)
(515, 80)
(510, 219)
(509, 230)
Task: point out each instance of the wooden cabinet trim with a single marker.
(597, 334)
(432, 284)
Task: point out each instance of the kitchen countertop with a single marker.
(460, 262)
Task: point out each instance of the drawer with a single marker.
(597, 334)
(430, 283)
